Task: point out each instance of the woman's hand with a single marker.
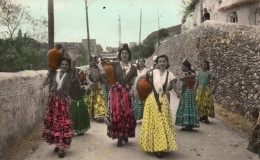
(178, 95)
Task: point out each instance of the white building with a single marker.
(246, 12)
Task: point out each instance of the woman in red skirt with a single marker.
(121, 121)
(57, 127)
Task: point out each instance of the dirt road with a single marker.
(211, 141)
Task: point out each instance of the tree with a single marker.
(188, 6)
(38, 29)
(12, 16)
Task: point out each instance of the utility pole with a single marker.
(50, 24)
(140, 32)
(158, 17)
(140, 26)
(201, 10)
(158, 24)
(89, 51)
(119, 30)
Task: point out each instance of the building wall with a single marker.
(245, 13)
(93, 48)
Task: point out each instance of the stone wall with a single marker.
(22, 104)
(234, 54)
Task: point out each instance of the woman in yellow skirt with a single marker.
(157, 131)
(204, 98)
(96, 99)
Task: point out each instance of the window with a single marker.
(233, 17)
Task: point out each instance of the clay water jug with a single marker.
(144, 88)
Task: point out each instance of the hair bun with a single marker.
(125, 46)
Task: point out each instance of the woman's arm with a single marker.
(214, 84)
(188, 76)
(102, 70)
(46, 80)
(174, 87)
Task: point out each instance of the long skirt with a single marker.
(97, 103)
(105, 90)
(121, 120)
(80, 116)
(204, 102)
(186, 114)
(57, 127)
(157, 131)
(138, 108)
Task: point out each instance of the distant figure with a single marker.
(206, 15)
(96, 99)
(139, 104)
(205, 87)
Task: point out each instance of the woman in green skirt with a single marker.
(186, 114)
(79, 110)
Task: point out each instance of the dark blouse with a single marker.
(119, 74)
(67, 85)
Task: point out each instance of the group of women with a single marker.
(121, 109)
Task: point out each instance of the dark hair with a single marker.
(163, 56)
(125, 47)
(207, 62)
(66, 59)
(187, 64)
(138, 67)
(93, 57)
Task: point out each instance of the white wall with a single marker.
(22, 104)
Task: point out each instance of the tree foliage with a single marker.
(18, 52)
(38, 29)
(18, 55)
(12, 15)
(188, 6)
(147, 49)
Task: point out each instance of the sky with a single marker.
(70, 18)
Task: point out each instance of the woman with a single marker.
(57, 127)
(121, 120)
(105, 86)
(96, 99)
(157, 132)
(186, 114)
(138, 104)
(204, 98)
(79, 108)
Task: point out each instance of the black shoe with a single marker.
(207, 120)
(159, 155)
(187, 128)
(119, 143)
(61, 153)
(80, 134)
(56, 149)
(126, 140)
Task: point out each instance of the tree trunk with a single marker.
(51, 24)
